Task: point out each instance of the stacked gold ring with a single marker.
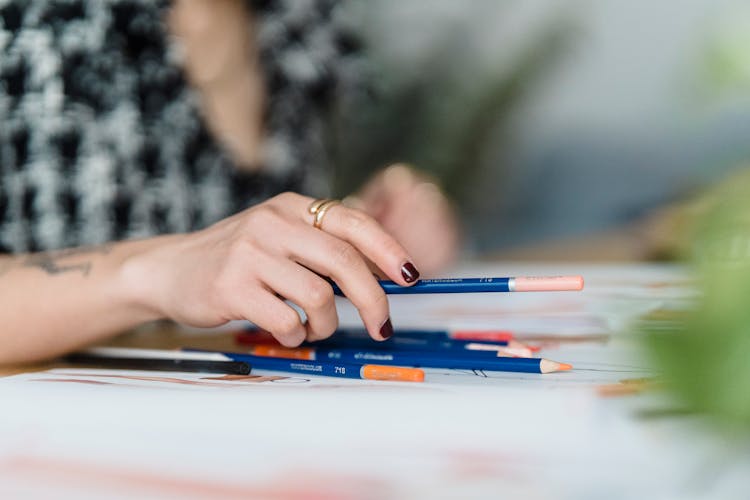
(318, 209)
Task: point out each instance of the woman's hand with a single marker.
(243, 268)
(412, 209)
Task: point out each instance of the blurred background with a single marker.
(551, 119)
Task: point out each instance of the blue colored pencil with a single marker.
(475, 285)
(328, 368)
(422, 340)
(339, 340)
(480, 360)
(419, 340)
(499, 337)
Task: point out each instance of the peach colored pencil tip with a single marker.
(548, 283)
(547, 366)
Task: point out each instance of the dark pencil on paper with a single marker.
(158, 360)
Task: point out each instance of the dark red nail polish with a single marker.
(409, 272)
(386, 331)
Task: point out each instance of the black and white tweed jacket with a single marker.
(101, 138)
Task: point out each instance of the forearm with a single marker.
(54, 302)
(241, 268)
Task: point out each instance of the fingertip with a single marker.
(409, 273)
(386, 330)
(294, 340)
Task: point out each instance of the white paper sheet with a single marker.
(104, 434)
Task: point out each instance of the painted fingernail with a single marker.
(386, 331)
(409, 272)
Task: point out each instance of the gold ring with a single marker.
(318, 209)
(315, 205)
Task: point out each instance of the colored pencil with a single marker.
(512, 348)
(481, 335)
(473, 335)
(480, 285)
(470, 335)
(359, 339)
(494, 337)
(158, 360)
(414, 358)
(499, 337)
(329, 368)
(438, 338)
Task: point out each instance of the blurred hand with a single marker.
(244, 266)
(415, 212)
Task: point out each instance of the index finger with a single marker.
(369, 237)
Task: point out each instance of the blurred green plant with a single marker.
(443, 118)
(725, 64)
(705, 358)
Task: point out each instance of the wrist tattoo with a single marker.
(65, 261)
